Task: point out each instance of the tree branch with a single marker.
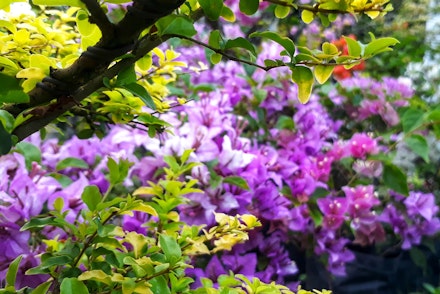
(48, 113)
(265, 68)
(67, 87)
(316, 8)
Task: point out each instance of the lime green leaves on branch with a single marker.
(89, 31)
(303, 77)
(216, 42)
(326, 10)
(307, 65)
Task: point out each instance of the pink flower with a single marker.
(361, 144)
(334, 211)
(361, 199)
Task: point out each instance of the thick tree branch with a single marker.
(70, 85)
(43, 115)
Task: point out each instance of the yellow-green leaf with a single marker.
(96, 275)
(323, 73)
(227, 14)
(329, 48)
(354, 48)
(216, 58)
(7, 63)
(282, 11)
(307, 16)
(145, 208)
(372, 14)
(303, 77)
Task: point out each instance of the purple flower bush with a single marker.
(314, 174)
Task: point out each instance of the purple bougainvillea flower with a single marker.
(360, 199)
(418, 203)
(368, 168)
(333, 210)
(361, 145)
(233, 159)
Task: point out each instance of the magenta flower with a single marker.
(361, 199)
(361, 145)
(334, 210)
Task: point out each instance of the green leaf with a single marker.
(215, 39)
(418, 257)
(228, 14)
(8, 64)
(126, 76)
(73, 286)
(216, 58)
(212, 8)
(71, 162)
(11, 91)
(241, 43)
(186, 155)
(56, 261)
(354, 48)
(170, 248)
(307, 16)
(113, 170)
(38, 223)
(285, 42)
(58, 204)
(330, 49)
(30, 152)
(323, 73)
(91, 197)
(412, 119)
(11, 275)
(7, 120)
(303, 77)
(5, 140)
(282, 11)
(394, 178)
(237, 181)
(175, 25)
(142, 93)
(379, 45)
(419, 145)
(159, 285)
(285, 122)
(249, 7)
(42, 288)
(315, 214)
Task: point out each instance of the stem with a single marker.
(265, 68)
(90, 239)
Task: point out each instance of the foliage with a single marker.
(272, 172)
(54, 81)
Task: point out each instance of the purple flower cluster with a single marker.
(23, 194)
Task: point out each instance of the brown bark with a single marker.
(65, 88)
